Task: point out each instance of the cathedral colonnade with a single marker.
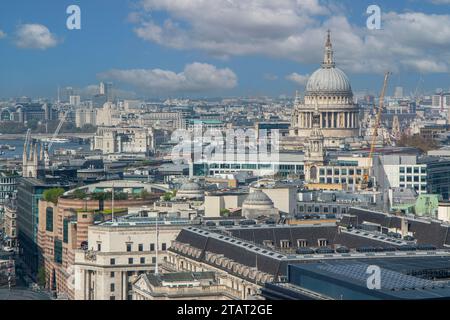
(328, 94)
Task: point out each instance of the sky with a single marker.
(210, 48)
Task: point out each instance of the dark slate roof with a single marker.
(292, 233)
(193, 239)
(425, 232)
(354, 241)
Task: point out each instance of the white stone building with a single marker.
(329, 93)
(118, 252)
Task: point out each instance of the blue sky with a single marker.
(218, 47)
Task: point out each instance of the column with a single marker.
(347, 119)
(124, 285)
(326, 120)
(85, 286)
(310, 120)
(332, 120)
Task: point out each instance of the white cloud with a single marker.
(295, 29)
(35, 36)
(2, 34)
(298, 78)
(196, 77)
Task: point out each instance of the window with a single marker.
(58, 251)
(302, 243)
(49, 220)
(322, 242)
(130, 260)
(112, 274)
(113, 287)
(402, 169)
(141, 247)
(408, 170)
(99, 247)
(163, 247)
(128, 247)
(285, 243)
(154, 260)
(113, 261)
(142, 260)
(66, 231)
(268, 243)
(152, 247)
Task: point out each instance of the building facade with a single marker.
(63, 229)
(112, 140)
(329, 91)
(10, 222)
(118, 252)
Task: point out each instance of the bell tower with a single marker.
(314, 151)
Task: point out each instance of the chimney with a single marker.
(404, 227)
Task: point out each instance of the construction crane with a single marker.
(58, 129)
(377, 124)
(27, 138)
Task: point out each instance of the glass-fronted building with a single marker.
(438, 176)
(30, 191)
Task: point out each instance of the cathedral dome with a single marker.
(190, 190)
(258, 198)
(258, 204)
(329, 81)
(190, 186)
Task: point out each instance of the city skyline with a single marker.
(170, 48)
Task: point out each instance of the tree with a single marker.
(120, 196)
(225, 213)
(52, 195)
(417, 141)
(99, 196)
(10, 127)
(80, 194)
(41, 276)
(145, 195)
(168, 196)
